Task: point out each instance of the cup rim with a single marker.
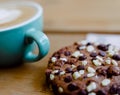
(37, 15)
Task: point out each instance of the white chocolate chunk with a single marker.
(82, 47)
(76, 54)
(53, 59)
(108, 61)
(92, 86)
(105, 82)
(91, 70)
(63, 59)
(90, 74)
(73, 66)
(76, 75)
(52, 77)
(111, 53)
(84, 62)
(84, 42)
(82, 72)
(99, 58)
(81, 54)
(60, 89)
(90, 48)
(92, 93)
(112, 50)
(97, 63)
(62, 73)
(114, 63)
(55, 71)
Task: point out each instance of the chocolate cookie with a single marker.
(85, 68)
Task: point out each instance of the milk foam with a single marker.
(9, 15)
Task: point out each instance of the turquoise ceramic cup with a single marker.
(17, 42)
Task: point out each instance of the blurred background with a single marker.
(81, 15)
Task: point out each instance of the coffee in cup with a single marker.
(11, 15)
(21, 25)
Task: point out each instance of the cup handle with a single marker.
(42, 42)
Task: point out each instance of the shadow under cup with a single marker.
(17, 42)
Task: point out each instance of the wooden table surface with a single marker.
(81, 15)
(61, 17)
(29, 79)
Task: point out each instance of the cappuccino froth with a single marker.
(7, 15)
(15, 14)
